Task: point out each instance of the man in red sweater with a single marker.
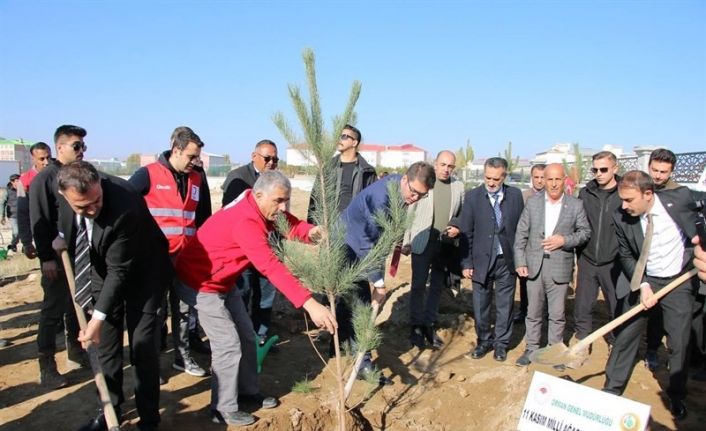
(208, 266)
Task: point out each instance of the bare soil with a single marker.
(433, 390)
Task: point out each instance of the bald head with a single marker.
(444, 165)
(554, 179)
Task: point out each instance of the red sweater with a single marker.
(231, 240)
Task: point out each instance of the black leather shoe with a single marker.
(416, 337)
(430, 335)
(678, 409)
(481, 350)
(98, 423)
(524, 360)
(500, 354)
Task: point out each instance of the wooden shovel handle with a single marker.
(111, 418)
(603, 330)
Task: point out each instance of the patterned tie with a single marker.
(636, 279)
(82, 267)
(496, 208)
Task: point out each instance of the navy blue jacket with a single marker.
(361, 230)
(478, 227)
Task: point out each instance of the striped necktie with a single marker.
(82, 267)
(497, 210)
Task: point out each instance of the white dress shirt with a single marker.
(551, 215)
(666, 255)
(96, 314)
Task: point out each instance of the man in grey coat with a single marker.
(431, 240)
(551, 226)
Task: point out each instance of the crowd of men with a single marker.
(134, 243)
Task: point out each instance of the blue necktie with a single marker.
(497, 210)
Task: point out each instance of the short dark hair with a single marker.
(538, 166)
(605, 155)
(265, 142)
(39, 146)
(181, 136)
(663, 155)
(357, 132)
(14, 177)
(637, 180)
(79, 175)
(423, 172)
(495, 162)
(69, 130)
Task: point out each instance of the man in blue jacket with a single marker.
(362, 232)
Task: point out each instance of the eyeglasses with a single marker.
(415, 193)
(602, 170)
(78, 145)
(267, 159)
(345, 136)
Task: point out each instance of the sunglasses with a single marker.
(78, 145)
(345, 136)
(267, 159)
(602, 170)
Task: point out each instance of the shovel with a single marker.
(559, 354)
(111, 418)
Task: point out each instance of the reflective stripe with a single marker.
(190, 215)
(189, 231)
(166, 212)
(178, 230)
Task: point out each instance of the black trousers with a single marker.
(677, 309)
(504, 281)
(588, 279)
(56, 305)
(143, 337)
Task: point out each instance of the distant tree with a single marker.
(132, 163)
(512, 163)
(325, 269)
(464, 155)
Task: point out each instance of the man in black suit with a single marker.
(129, 273)
(251, 282)
(670, 222)
(488, 221)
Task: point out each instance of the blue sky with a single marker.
(434, 73)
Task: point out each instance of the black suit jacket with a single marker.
(478, 224)
(129, 255)
(630, 236)
(237, 181)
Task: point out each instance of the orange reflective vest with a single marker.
(176, 217)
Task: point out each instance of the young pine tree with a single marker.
(324, 269)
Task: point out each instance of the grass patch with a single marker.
(17, 265)
(303, 386)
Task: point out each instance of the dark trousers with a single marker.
(259, 292)
(180, 315)
(522, 312)
(589, 278)
(504, 281)
(655, 331)
(423, 312)
(677, 311)
(56, 305)
(143, 336)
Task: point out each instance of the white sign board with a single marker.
(560, 405)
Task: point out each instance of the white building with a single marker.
(391, 156)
